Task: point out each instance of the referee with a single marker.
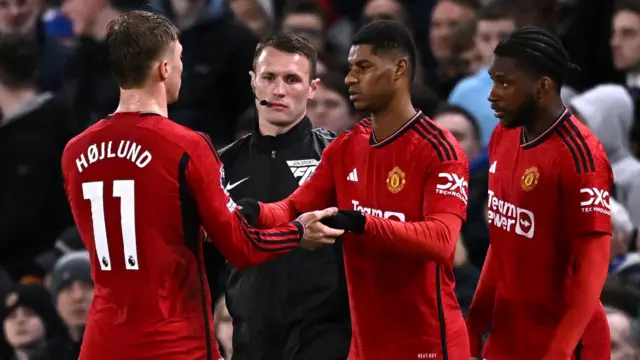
(294, 307)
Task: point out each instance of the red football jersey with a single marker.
(140, 188)
(402, 304)
(544, 195)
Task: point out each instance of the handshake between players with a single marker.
(316, 234)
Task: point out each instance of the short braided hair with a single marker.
(540, 51)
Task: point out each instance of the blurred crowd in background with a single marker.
(55, 82)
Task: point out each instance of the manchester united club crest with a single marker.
(530, 178)
(396, 180)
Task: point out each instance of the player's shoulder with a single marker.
(361, 130)
(500, 132)
(579, 148)
(436, 140)
(79, 141)
(363, 127)
(184, 138)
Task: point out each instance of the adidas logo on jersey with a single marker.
(353, 176)
(302, 169)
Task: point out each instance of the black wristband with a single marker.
(347, 220)
(250, 209)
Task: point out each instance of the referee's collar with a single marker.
(296, 134)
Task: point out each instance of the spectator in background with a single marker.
(608, 110)
(72, 291)
(465, 58)
(307, 19)
(33, 132)
(216, 56)
(625, 260)
(494, 23)
(463, 126)
(67, 242)
(330, 107)
(617, 293)
(32, 328)
(622, 234)
(446, 15)
(474, 232)
(625, 335)
(89, 86)
(385, 10)
(26, 18)
(625, 48)
(255, 15)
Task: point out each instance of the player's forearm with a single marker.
(272, 214)
(583, 294)
(481, 309)
(435, 238)
(244, 246)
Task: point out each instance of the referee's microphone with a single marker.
(265, 103)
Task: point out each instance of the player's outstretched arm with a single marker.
(445, 208)
(481, 309)
(434, 238)
(227, 229)
(318, 192)
(588, 229)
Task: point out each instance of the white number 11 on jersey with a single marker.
(124, 189)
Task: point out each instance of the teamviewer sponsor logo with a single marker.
(509, 217)
(595, 200)
(391, 215)
(453, 185)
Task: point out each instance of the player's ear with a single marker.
(402, 67)
(163, 70)
(545, 86)
(313, 88)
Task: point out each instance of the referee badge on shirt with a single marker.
(530, 178)
(396, 180)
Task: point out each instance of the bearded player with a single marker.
(140, 188)
(548, 210)
(402, 182)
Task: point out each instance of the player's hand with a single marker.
(317, 234)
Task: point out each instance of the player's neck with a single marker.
(143, 101)
(389, 120)
(12, 100)
(268, 129)
(544, 118)
(98, 30)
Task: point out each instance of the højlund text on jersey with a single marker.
(509, 217)
(125, 150)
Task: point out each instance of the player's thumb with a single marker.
(327, 212)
